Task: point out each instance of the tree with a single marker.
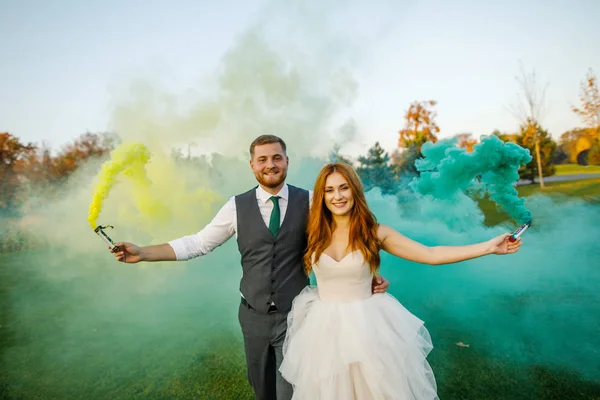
(589, 112)
(36, 168)
(560, 156)
(73, 155)
(403, 160)
(529, 108)
(375, 170)
(335, 156)
(533, 135)
(420, 125)
(576, 143)
(589, 95)
(26, 168)
(13, 154)
(506, 137)
(466, 141)
(593, 157)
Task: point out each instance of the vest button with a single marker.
(274, 255)
(272, 280)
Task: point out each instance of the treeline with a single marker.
(579, 145)
(27, 168)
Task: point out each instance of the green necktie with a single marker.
(275, 216)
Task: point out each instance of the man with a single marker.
(269, 222)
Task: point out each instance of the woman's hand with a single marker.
(501, 245)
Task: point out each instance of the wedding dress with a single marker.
(343, 342)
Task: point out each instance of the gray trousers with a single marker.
(263, 341)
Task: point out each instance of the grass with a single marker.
(571, 169)
(109, 368)
(584, 189)
(114, 362)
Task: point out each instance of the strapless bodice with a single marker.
(345, 280)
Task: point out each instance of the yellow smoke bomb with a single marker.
(128, 158)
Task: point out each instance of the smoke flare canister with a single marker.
(100, 232)
(520, 230)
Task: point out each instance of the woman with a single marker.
(342, 341)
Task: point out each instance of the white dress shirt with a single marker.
(224, 225)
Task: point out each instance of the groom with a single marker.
(269, 222)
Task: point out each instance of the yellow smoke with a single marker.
(129, 159)
(157, 198)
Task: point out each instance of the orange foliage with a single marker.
(466, 140)
(589, 96)
(28, 165)
(420, 124)
(13, 154)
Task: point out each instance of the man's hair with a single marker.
(266, 139)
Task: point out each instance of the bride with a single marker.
(343, 342)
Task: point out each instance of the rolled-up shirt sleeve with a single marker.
(217, 232)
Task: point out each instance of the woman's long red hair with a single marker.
(363, 224)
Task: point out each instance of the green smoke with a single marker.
(447, 170)
(539, 307)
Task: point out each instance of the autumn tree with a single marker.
(25, 169)
(589, 95)
(529, 108)
(533, 135)
(466, 141)
(420, 125)
(506, 137)
(73, 155)
(589, 112)
(13, 155)
(575, 144)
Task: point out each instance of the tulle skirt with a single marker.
(364, 349)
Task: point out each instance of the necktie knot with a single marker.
(275, 216)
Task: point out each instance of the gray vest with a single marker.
(272, 266)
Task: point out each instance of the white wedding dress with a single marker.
(343, 342)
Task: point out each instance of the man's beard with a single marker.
(271, 183)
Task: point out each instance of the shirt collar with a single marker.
(264, 196)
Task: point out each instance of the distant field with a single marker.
(571, 169)
(588, 189)
(585, 189)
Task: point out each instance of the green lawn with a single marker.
(64, 344)
(570, 169)
(585, 189)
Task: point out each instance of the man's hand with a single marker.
(127, 252)
(131, 253)
(380, 285)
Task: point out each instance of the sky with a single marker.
(65, 63)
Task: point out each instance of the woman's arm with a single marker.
(399, 245)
